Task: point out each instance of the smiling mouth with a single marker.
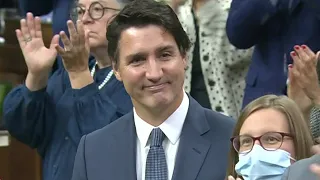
(90, 33)
(156, 88)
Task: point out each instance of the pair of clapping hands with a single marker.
(303, 84)
(40, 59)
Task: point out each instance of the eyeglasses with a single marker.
(270, 141)
(96, 11)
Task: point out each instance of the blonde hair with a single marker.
(298, 127)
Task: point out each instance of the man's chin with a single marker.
(158, 102)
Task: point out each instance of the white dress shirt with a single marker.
(171, 127)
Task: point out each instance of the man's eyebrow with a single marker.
(164, 48)
(135, 55)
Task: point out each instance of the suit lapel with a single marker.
(125, 146)
(193, 148)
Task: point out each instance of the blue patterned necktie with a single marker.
(156, 166)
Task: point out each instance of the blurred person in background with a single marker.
(272, 27)
(216, 70)
(8, 4)
(52, 114)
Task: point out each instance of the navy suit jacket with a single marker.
(273, 31)
(110, 153)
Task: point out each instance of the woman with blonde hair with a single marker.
(269, 136)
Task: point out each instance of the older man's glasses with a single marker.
(96, 11)
(270, 141)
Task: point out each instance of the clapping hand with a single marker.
(302, 76)
(39, 59)
(305, 72)
(75, 53)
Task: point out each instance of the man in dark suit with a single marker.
(168, 135)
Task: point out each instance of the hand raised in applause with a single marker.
(75, 53)
(305, 71)
(296, 93)
(39, 59)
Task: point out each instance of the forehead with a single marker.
(265, 120)
(145, 39)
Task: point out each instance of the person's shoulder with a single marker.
(221, 125)
(305, 163)
(301, 169)
(219, 118)
(110, 130)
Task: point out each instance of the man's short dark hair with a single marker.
(140, 13)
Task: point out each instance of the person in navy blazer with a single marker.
(273, 27)
(148, 47)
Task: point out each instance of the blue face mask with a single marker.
(262, 164)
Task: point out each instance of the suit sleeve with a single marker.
(37, 7)
(246, 20)
(79, 168)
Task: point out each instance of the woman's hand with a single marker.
(39, 59)
(75, 53)
(297, 94)
(305, 71)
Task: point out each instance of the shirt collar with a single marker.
(171, 127)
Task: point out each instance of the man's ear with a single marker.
(115, 68)
(185, 61)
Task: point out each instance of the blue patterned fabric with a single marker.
(156, 166)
